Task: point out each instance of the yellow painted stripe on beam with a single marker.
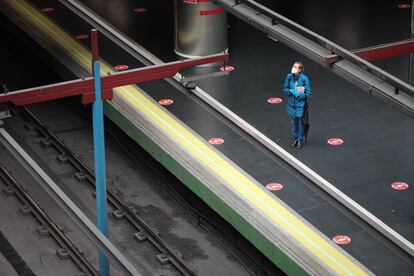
(327, 253)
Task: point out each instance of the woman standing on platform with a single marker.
(297, 90)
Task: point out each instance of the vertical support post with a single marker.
(410, 68)
(99, 153)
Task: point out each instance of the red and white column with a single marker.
(200, 28)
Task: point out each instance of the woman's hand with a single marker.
(300, 89)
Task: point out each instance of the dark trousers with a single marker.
(300, 125)
(296, 125)
(305, 119)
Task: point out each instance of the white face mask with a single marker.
(294, 70)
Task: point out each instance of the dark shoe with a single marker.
(299, 145)
(294, 144)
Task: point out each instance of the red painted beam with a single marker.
(379, 52)
(50, 92)
(90, 97)
(384, 51)
(94, 42)
(86, 87)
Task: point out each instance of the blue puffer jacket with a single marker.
(295, 100)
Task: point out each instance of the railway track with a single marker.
(120, 210)
(45, 200)
(48, 227)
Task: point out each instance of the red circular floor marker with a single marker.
(404, 6)
(216, 141)
(48, 10)
(400, 186)
(335, 141)
(166, 102)
(121, 67)
(274, 186)
(82, 36)
(227, 68)
(274, 100)
(140, 10)
(342, 239)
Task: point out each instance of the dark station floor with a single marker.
(377, 149)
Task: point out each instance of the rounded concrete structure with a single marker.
(200, 28)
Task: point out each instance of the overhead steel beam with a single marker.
(378, 52)
(86, 87)
(350, 66)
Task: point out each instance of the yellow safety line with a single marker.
(325, 251)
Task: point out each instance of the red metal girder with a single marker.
(379, 52)
(90, 97)
(86, 86)
(172, 67)
(41, 96)
(94, 43)
(64, 87)
(135, 78)
(384, 51)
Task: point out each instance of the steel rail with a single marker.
(69, 207)
(154, 237)
(25, 197)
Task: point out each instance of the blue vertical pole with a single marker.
(99, 155)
